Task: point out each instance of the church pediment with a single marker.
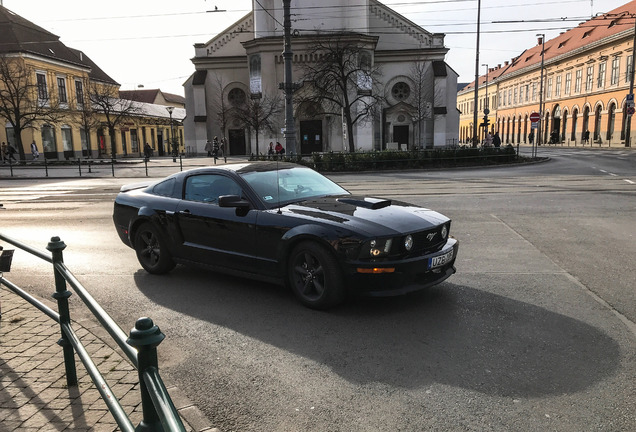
(404, 30)
(229, 41)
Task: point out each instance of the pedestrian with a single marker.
(208, 147)
(147, 151)
(496, 141)
(222, 149)
(215, 148)
(488, 140)
(531, 137)
(270, 151)
(586, 137)
(34, 151)
(11, 153)
(4, 154)
(280, 150)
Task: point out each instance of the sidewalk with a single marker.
(33, 391)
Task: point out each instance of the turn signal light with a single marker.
(376, 270)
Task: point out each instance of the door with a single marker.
(218, 236)
(160, 143)
(310, 136)
(401, 135)
(237, 142)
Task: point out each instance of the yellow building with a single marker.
(68, 106)
(587, 72)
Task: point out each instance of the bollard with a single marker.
(56, 246)
(146, 337)
(180, 163)
(46, 167)
(112, 166)
(79, 164)
(146, 163)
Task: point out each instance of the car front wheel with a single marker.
(152, 251)
(315, 276)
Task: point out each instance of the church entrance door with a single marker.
(237, 142)
(310, 136)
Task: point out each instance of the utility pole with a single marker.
(539, 133)
(288, 85)
(475, 124)
(629, 108)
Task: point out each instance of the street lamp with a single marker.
(540, 125)
(486, 109)
(171, 135)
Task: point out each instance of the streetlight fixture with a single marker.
(539, 134)
(171, 140)
(486, 109)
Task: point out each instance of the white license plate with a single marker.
(439, 261)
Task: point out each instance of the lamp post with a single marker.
(628, 127)
(173, 144)
(475, 124)
(539, 133)
(486, 109)
(288, 85)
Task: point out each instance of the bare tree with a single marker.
(106, 101)
(421, 75)
(23, 104)
(220, 106)
(343, 80)
(259, 114)
(85, 114)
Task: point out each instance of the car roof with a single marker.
(242, 168)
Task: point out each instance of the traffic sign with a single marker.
(535, 117)
(631, 110)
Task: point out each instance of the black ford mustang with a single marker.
(285, 223)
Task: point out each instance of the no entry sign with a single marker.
(535, 117)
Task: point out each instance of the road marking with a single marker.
(629, 181)
(612, 174)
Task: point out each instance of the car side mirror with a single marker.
(233, 201)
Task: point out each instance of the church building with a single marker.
(410, 97)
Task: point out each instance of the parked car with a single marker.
(285, 223)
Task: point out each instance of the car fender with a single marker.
(321, 234)
(146, 214)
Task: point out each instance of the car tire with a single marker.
(315, 276)
(152, 251)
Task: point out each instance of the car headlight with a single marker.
(379, 248)
(444, 232)
(408, 242)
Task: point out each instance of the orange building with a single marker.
(587, 72)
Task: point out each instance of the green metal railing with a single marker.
(158, 411)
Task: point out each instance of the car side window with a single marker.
(209, 187)
(165, 188)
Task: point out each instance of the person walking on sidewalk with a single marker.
(4, 154)
(34, 151)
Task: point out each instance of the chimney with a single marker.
(539, 41)
(499, 66)
(506, 63)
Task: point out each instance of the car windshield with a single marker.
(289, 185)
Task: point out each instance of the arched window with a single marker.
(597, 123)
(401, 91)
(575, 115)
(236, 97)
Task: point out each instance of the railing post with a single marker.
(146, 337)
(56, 246)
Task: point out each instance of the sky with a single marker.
(151, 42)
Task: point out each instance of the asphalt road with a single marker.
(535, 331)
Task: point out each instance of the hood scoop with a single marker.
(370, 203)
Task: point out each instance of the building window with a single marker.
(401, 91)
(61, 89)
(509, 96)
(616, 62)
(601, 75)
(578, 80)
(236, 97)
(79, 93)
(589, 78)
(557, 89)
(628, 72)
(568, 82)
(527, 92)
(43, 94)
(549, 88)
(534, 92)
(67, 140)
(515, 96)
(48, 140)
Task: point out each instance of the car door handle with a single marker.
(186, 212)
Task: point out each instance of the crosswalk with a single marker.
(68, 190)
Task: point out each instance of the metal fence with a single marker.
(159, 413)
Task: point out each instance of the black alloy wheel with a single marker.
(315, 276)
(151, 249)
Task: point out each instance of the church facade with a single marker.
(417, 89)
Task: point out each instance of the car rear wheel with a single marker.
(152, 252)
(315, 276)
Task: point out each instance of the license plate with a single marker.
(439, 261)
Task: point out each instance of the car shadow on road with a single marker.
(450, 334)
